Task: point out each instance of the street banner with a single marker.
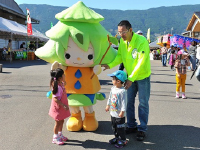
(148, 35)
(29, 25)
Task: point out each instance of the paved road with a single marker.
(25, 124)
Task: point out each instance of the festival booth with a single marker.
(18, 32)
(164, 39)
(154, 55)
(178, 41)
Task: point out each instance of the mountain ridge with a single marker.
(160, 19)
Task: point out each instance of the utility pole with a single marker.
(172, 30)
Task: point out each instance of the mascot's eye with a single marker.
(90, 56)
(67, 56)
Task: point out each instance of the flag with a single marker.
(51, 24)
(148, 35)
(29, 25)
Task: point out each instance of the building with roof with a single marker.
(193, 28)
(10, 10)
(13, 27)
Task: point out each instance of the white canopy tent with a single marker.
(18, 32)
(154, 45)
(11, 29)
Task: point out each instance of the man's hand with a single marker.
(127, 84)
(105, 67)
(107, 108)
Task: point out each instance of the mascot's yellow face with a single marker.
(75, 56)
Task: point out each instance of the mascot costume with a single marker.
(79, 44)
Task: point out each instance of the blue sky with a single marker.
(114, 4)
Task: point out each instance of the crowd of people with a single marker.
(9, 52)
(180, 61)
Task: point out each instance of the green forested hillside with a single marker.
(160, 20)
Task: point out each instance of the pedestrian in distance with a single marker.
(134, 52)
(116, 103)
(9, 47)
(164, 54)
(172, 59)
(169, 51)
(139, 32)
(181, 72)
(192, 52)
(22, 45)
(59, 109)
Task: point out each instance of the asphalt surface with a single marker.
(174, 124)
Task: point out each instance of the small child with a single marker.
(116, 103)
(181, 69)
(59, 109)
(172, 59)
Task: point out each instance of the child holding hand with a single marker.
(116, 103)
(59, 109)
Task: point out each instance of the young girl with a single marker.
(181, 66)
(59, 106)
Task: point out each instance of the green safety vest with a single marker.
(135, 57)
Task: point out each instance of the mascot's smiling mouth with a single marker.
(77, 63)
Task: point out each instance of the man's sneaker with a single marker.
(130, 130)
(113, 141)
(121, 143)
(63, 138)
(140, 135)
(57, 140)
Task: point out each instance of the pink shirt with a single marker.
(58, 95)
(56, 111)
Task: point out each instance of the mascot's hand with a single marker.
(56, 65)
(97, 69)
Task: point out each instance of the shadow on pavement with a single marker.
(88, 144)
(22, 63)
(104, 128)
(162, 74)
(6, 72)
(159, 137)
(172, 137)
(105, 82)
(167, 82)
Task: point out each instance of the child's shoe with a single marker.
(183, 96)
(57, 140)
(113, 141)
(177, 95)
(121, 143)
(63, 138)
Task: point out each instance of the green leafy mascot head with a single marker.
(78, 39)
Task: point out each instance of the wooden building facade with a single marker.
(193, 28)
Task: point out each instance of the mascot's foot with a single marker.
(100, 96)
(75, 122)
(90, 123)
